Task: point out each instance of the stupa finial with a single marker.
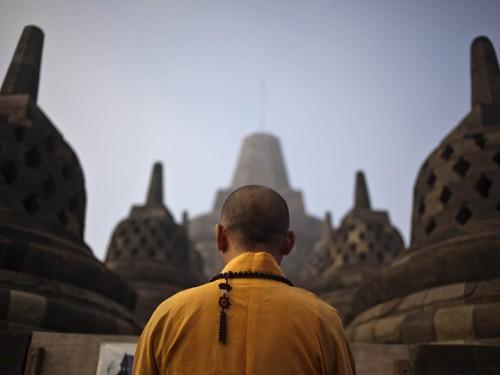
(361, 195)
(485, 74)
(155, 192)
(23, 74)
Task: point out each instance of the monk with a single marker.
(248, 319)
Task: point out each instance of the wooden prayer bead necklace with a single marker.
(225, 288)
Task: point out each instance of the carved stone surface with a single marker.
(153, 253)
(260, 163)
(454, 359)
(49, 278)
(14, 348)
(455, 237)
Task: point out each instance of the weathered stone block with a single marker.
(418, 327)
(487, 320)
(413, 300)
(454, 323)
(363, 333)
(26, 308)
(388, 330)
(445, 293)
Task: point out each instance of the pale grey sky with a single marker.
(371, 85)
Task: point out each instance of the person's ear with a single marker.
(221, 238)
(288, 243)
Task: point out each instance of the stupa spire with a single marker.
(361, 195)
(485, 74)
(23, 74)
(155, 192)
(327, 222)
(261, 163)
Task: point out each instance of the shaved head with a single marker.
(256, 215)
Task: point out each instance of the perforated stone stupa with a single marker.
(260, 163)
(364, 242)
(49, 278)
(152, 252)
(447, 287)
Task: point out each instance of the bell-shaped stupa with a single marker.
(446, 288)
(152, 252)
(49, 278)
(364, 242)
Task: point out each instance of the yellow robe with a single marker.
(272, 328)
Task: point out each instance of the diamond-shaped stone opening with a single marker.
(445, 195)
(463, 215)
(352, 247)
(32, 204)
(480, 142)
(461, 167)
(421, 208)
(362, 257)
(431, 180)
(483, 185)
(9, 172)
(33, 157)
(496, 157)
(447, 152)
(430, 227)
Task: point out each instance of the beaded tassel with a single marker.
(222, 327)
(225, 288)
(224, 304)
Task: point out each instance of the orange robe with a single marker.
(272, 328)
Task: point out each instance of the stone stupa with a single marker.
(152, 252)
(446, 288)
(49, 278)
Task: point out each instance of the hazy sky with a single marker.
(371, 85)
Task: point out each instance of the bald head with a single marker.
(256, 215)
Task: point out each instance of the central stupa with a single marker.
(260, 162)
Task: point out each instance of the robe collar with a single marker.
(254, 261)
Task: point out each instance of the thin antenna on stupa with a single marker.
(263, 99)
